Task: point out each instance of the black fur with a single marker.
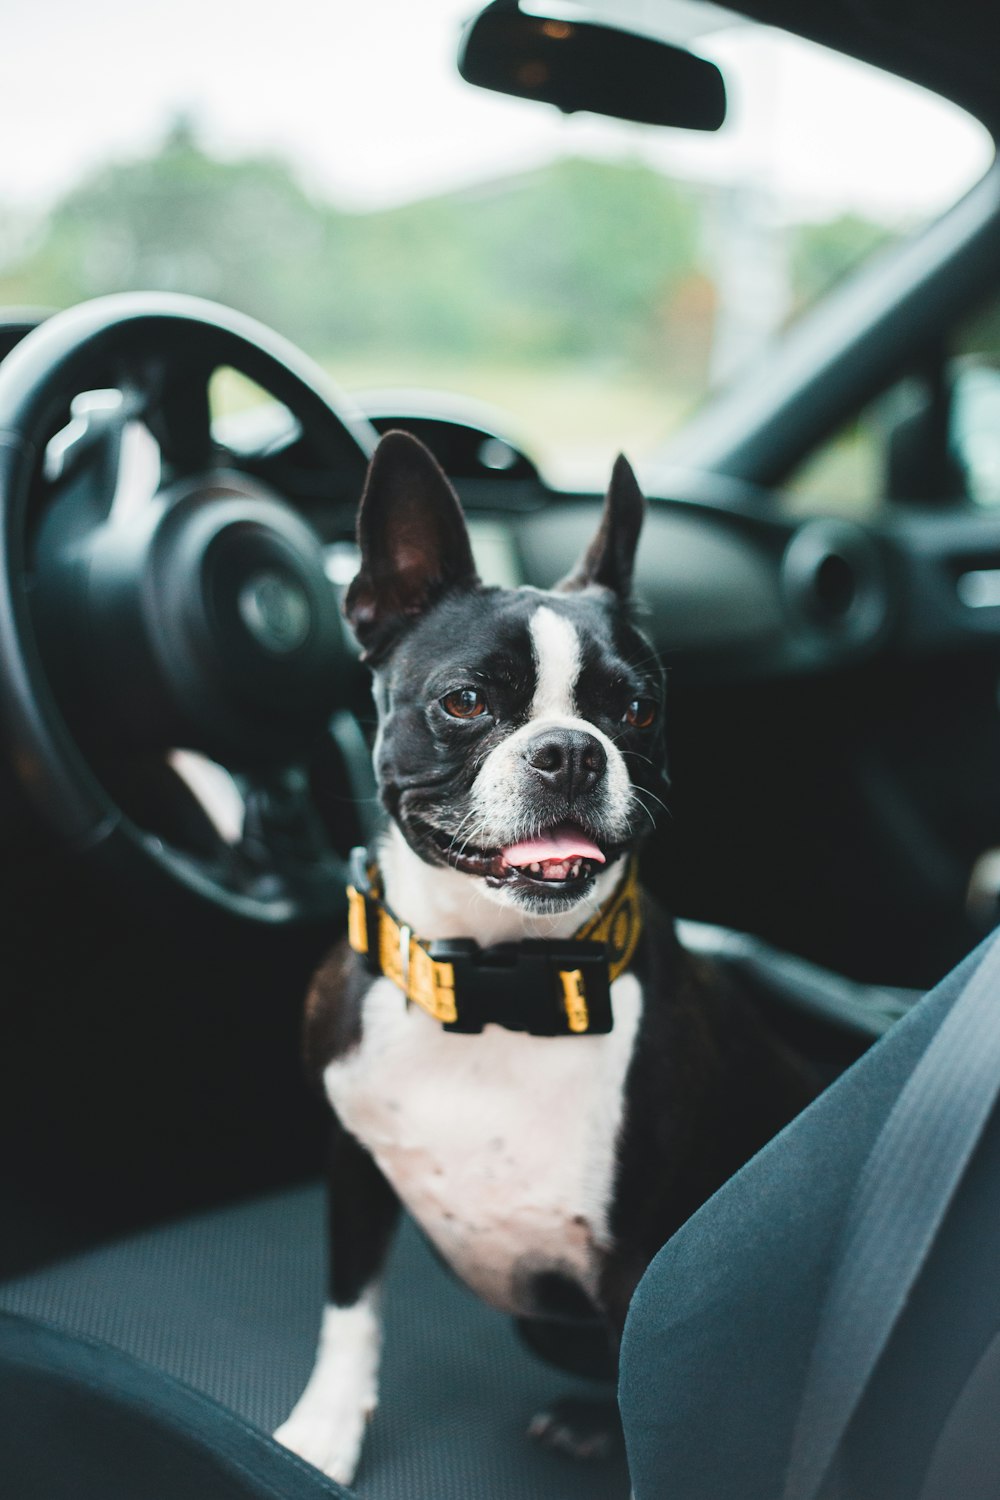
(413, 543)
(427, 761)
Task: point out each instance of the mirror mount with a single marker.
(580, 65)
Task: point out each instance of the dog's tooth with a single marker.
(535, 867)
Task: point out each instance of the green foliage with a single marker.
(179, 221)
(579, 258)
(586, 261)
(823, 253)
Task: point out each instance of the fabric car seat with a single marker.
(717, 1343)
(81, 1421)
(228, 1302)
(728, 1332)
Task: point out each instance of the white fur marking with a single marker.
(502, 1145)
(327, 1426)
(556, 647)
(501, 813)
(439, 902)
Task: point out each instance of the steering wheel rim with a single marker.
(86, 348)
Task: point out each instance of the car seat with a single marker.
(828, 1324)
(715, 1359)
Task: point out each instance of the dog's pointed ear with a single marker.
(610, 558)
(413, 540)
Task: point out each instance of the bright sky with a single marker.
(363, 97)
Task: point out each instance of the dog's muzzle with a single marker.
(567, 763)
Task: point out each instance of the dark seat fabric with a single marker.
(229, 1302)
(720, 1331)
(80, 1421)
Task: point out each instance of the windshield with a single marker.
(326, 170)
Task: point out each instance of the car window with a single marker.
(974, 427)
(589, 280)
(846, 474)
(955, 401)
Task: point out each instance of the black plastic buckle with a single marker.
(517, 985)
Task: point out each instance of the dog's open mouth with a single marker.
(559, 855)
(561, 859)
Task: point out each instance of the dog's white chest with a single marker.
(502, 1146)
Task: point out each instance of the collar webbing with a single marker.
(550, 987)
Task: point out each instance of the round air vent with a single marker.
(834, 579)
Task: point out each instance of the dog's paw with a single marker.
(580, 1429)
(330, 1441)
(327, 1427)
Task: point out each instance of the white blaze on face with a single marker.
(556, 647)
(502, 814)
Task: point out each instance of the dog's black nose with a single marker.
(567, 761)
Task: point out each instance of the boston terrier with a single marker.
(515, 1045)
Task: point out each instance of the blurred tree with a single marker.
(578, 258)
(594, 262)
(180, 220)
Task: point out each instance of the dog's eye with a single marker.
(464, 703)
(640, 713)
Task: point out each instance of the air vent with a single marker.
(834, 581)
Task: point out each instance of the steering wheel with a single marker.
(158, 592)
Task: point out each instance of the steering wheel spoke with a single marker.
(285, 848)
(103, 458)
(178, 413)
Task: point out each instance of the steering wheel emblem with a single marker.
(275, 610)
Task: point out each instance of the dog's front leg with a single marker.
(327, 1426)
(590, 1427)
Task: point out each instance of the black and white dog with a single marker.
(549, 1141)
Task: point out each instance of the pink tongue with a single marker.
(554, 846)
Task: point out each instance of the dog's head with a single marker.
(520, 735)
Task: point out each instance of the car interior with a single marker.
(182, 780)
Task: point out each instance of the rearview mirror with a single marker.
(578, 65)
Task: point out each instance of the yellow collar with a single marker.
(548, 987)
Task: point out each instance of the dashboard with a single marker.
(850, 750)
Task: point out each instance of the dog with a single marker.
(515, 1045)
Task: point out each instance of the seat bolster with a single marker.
(82, 1421)
(720, 1329)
